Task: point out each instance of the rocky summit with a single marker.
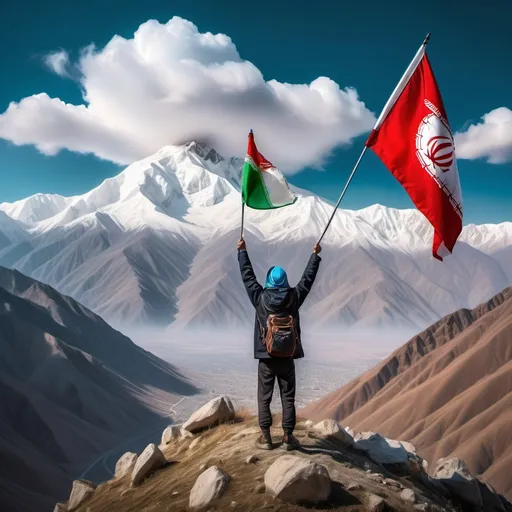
(331, 470)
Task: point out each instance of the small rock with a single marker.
(175, 493)
(408, 495)
(423, 507)
(233, 504)
(456, 477)
(60, 507)
(125, 464)
(126, 491)
(218, 410)
(203, 467)
(149, 461)
(295, 479)
(376, 476)
(393, 483)
(375, 503)
(209, 486)
(330, 429)
(194, 443)
(308, 424)
(185, 433)
(252, 459)
(170, 434)
(260, 488)
(81, 491)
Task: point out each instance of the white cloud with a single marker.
(170, 84)
(58, 62)
(490, 139)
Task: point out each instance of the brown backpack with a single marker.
(280, 337)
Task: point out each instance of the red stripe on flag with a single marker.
(256, 156)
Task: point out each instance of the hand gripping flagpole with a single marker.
(385, 111)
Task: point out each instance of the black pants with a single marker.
(284, 371)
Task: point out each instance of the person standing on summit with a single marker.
(277, 340)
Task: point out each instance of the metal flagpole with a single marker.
(242, 226)
(343, 193)
(385, 111)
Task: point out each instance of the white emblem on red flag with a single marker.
(435, 150)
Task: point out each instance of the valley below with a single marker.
(218, 363)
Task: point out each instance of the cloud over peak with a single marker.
(170, 84)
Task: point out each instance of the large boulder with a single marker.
(125, 464)
(380, 449)
(296, 480)
(456, 477)
(148, 461)
(218, 410)
(81, 491)
(170, 434)
(332, 430)
(209, 486)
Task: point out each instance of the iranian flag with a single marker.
(263, 185)
(413, 139)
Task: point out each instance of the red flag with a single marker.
(413, 139)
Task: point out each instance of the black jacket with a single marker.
(287, 300)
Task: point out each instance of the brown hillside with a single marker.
(448, 391)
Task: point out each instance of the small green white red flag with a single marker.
(263, 186)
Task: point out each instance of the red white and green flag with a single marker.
(263, 185)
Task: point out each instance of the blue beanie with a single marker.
(276, 278)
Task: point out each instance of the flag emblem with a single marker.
(434, 143)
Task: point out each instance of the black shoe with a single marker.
(264, 442)
(289, 442)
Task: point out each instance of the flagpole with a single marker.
(343, 193)
(387, 107)
(242, 226)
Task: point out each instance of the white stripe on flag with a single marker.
(277, 187)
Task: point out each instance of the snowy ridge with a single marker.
(155, 244)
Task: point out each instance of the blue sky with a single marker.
(364, 45)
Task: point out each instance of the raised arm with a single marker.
(308, 277)
(252, 286)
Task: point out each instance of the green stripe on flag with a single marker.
(254, 192)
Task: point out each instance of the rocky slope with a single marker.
(448, 391)
(207, 466)
(70, 386)
(155, 245)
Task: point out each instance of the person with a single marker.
(273, 302)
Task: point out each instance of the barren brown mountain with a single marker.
(71, 387)
(448, 391)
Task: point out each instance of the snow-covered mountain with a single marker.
(156, 244)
